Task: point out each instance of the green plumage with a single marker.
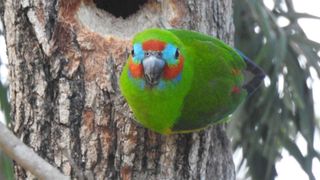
(209, 90)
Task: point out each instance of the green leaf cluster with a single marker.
(6, 168)
(271, 119)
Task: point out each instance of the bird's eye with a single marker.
(176, 55)
(132, 52)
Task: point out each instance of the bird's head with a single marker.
(156, 59)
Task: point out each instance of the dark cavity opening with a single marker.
(123, 8)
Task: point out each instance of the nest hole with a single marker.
(123, 8)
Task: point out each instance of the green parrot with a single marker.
(180, 81)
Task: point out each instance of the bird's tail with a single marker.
(257, 74)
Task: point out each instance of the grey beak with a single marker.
(153, 67)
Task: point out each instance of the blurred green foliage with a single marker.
(6, 170)
(270, 120)
(6, 166)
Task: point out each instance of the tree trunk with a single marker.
(65, 60)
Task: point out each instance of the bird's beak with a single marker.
(153, 67)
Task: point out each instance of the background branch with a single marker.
(26, 157)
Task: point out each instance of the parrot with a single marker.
(181, 81)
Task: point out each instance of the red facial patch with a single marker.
(170, 72)
(153, 45)
(135, 69)
(236, 90)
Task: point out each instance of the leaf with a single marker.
(269, 117)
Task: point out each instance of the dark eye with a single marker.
(132, 52)
(176, 55)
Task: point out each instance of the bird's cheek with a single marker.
(171, 72)
(136, 70)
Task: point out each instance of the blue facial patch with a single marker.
(163, 84)
(177, 79)
(138, 53)
(138, 82)
(168, 54)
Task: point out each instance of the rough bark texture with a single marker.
(65, 59)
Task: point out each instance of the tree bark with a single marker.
(65, 60)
